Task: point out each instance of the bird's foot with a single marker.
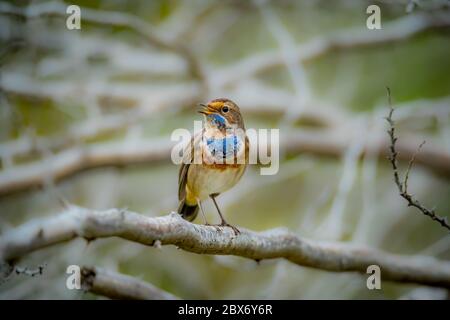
(226, 224)
(216, 226)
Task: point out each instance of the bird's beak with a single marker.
(206, 111)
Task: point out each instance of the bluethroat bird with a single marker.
(222, 147)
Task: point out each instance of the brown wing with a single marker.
(188, 154)
(182, 174)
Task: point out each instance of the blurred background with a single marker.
(86, 116)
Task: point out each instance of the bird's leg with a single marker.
(202, 212)
(223, 222)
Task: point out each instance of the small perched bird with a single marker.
(223, 151)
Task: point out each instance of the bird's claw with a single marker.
(235, 230)
(219, 227)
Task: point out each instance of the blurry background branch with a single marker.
(77, 159)
(172, 229)
(119, 286)
(70, 161)
(56, 8)
(394, 31)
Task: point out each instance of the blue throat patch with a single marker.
(224, 147)
(217, 120)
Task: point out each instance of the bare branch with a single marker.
(335, 142)
(29, 145)
(119, 286)
(403, 187)
(173, 230)
(410, 164)
(73, 160)
(23, 85)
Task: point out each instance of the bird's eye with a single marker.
(225, 109)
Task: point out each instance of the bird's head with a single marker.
(222, 114)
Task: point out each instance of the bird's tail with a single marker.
(187, 212)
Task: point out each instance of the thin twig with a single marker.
(403, 187)
(410, 164)
(7, 269)
(30, 272)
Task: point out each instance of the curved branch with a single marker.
(173, 230)
(119, 286)
(77, 159)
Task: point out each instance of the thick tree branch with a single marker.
(119, 286)
(172, 229)
(403, 186)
